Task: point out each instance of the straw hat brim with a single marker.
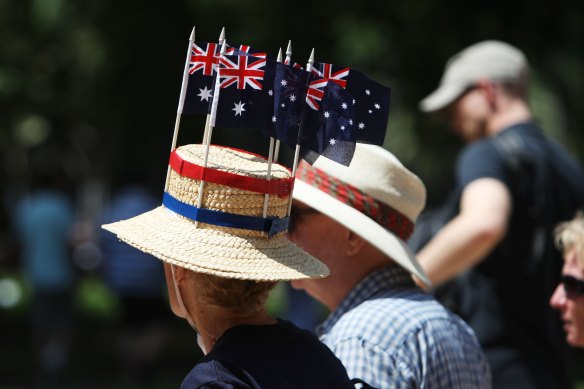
(368, 229)
(207, 249)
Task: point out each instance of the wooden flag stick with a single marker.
(267, 195)
(288, 61)
(270, 157)
(208, 119)
(181, 102)
(210, 132)
(297, 150)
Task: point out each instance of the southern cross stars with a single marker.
(204, 94)
(238, 108)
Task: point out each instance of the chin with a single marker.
(575, 340)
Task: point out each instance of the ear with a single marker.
(180, 273)
(354, 243)
(488, 88)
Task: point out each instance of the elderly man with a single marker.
(386, 331)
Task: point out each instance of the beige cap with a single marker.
(494, 60)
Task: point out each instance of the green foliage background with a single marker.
(98, 81)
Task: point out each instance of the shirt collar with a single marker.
(383, 280)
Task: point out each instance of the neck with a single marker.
(212, 322)
(507, 114)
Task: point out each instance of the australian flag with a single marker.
(288, 94)
(263, 94)
(345, 107)
(203, 65)
(243, 100)
(202, 68)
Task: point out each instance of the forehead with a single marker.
(573, 264)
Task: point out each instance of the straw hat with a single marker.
(230, 238)
(375, 197)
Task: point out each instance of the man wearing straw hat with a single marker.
(513, 185)
(387, 332)
(222, 256)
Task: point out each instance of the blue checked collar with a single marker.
(381, 281)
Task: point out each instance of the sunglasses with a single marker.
(573, 286)
(296, 215)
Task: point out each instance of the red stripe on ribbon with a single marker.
(279, 187)
(381, 213)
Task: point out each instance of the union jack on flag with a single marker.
(325, 72)
(244, 50)
(241, 70)
(205, 59)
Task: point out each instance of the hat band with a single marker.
(381, 213)
(279, 187)
(271, 225)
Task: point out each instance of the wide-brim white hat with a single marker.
(375, 197)
(227, 235)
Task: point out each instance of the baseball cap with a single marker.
(494, 60)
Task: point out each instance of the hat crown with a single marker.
(379, 174)
(488, 59)
(224, 198)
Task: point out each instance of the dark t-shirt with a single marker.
(275, 356)
(505, 297)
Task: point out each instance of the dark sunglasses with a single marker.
(296, 215)
(573, 286)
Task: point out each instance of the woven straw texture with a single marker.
(222, 251)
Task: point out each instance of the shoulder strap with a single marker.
(515, 157)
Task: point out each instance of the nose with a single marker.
(558, 299)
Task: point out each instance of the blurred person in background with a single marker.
(568, 298)
(513, 185)
(43, 219)
(137, 282)
(387, 332)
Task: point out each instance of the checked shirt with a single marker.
(390, 334)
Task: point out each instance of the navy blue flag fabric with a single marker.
(289, 95)
(345, 107)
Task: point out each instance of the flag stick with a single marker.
(181, 102)
(267, 195)
(287, 61)
(271, 152)
(210, 132)
(207, 119)
(297, 150)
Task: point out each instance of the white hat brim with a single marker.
(361, 224)
(216, 250)
(442, 97)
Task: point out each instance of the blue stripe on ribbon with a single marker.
(271, 225)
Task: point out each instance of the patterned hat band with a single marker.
(379, 212)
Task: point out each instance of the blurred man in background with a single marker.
(513, 185)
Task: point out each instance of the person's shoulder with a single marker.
(478, 150)
(214, 373)
(397, 312)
